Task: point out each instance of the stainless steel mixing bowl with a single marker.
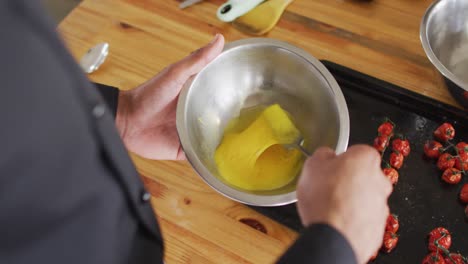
(254, 72)
(444, 36)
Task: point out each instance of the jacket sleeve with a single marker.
(320, 244)
(110, 95)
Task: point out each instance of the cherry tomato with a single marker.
(445, 161)
(455, 259)
(462, 147)
(464, 193)
(442, 237)
(452, 176)
(461, 162)
(385, 129)
(402, 146)
(381, 142)
(434, 258)
(432, 149)
(390, 241)
(445, 132)
(396, 160)
(392, 223)
(392, 175)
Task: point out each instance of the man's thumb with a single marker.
(196, 61)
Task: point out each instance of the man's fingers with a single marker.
(181, 154)
(320, 155)
(168, 83)
(388, 187)
(196, 61)
(369, 152)
(324, 153)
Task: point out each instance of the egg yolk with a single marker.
(252, 155)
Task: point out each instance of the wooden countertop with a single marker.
(380, 38)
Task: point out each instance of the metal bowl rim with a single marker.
(428, 49)
(213, 181)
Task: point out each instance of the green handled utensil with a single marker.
(233, 9)
(263, 18)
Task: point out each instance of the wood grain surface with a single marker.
(379, 38)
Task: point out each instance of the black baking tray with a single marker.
(420, 199)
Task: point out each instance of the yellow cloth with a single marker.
(251, 155)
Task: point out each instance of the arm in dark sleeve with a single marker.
(320, 244)
(110, 95)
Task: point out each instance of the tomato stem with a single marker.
(453, 261)
(386, 119)
(449, 145)
(444, 250)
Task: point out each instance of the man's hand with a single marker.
(348, 192)
(146, 115)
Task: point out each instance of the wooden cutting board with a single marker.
(379, 38)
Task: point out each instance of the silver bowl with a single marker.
(444, 36)
(254, 72)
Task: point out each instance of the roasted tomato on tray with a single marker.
(390, 242)
(445, 132)
(402, 146)
(453, 258)
(381, 143)
(391, 174)
(434, 258)
(439, 239)
(396, 160)
(392, 223)
(446, 161)
(452, 176)
(433, 149)
(386, 129)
